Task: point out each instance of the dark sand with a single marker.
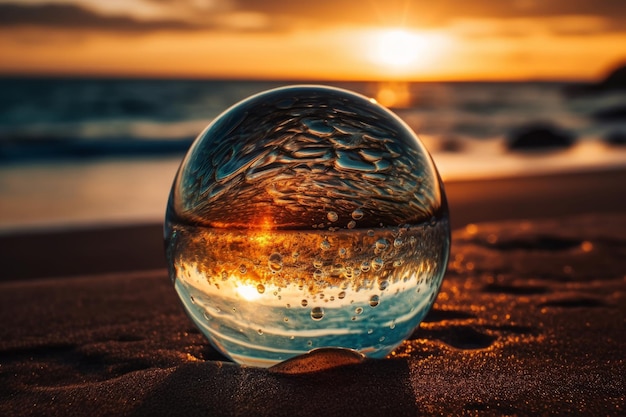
(530, 320)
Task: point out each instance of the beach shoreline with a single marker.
(114, 247)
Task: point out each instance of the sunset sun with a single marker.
(396, 48)
(406, 52)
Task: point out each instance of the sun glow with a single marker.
(396, 48)
(404, 51)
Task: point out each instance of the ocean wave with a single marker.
(60, 119)
(18, 149)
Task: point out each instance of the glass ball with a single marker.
(306, 217)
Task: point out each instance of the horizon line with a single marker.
(310, 80)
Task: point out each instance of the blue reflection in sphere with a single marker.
(306, 217)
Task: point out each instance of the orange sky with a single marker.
(324, 39)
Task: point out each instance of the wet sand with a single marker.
(530, 320)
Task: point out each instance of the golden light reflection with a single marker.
(266, 223)
(394, 94)
(586, 246)
(262, 239)
(264, 236)
(471, 229)
(248, 292)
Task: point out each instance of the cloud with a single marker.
(585, 17)
(524, 27)
(188, 18)
(436, 13)
(67, 16)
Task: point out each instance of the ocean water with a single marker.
(77, 151)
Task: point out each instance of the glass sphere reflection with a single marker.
(306, 217)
